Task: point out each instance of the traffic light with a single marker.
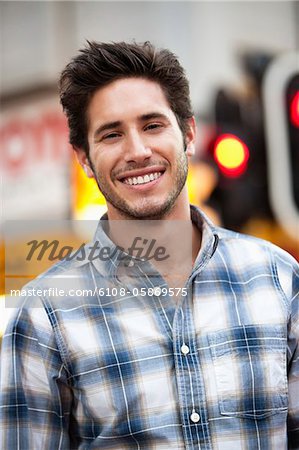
(238, 152)
(255, 147)
(281, 98)
(231, 154)
(292, 106)
(294, 109)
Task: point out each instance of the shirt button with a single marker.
(130, 263)
(157, 291)
(185, 349)
(195, 417)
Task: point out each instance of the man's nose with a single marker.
(137, 149)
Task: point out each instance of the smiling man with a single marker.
(135, 151)
(144, 362)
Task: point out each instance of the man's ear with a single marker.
(190, 137)
(84, 162)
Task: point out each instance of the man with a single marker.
(215, 368)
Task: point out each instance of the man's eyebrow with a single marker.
(118, 123)
(153, 115)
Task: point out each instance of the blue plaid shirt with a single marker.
(219, 370)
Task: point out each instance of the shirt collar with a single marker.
(117, 258)
(209, 239)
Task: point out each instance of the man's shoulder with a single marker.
(247, 257)
(69, 273)
(78, 262)
(245, 246)
(65, 267)
(242, 245)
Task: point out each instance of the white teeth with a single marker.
(142, 180)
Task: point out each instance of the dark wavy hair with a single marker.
(99, 64)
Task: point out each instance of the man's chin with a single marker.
(148, 212)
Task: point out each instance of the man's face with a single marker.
(136, 149)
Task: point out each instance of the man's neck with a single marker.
(176, 233)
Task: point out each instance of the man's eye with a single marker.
(111, 136)
(153, 126)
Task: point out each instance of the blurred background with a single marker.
(241, 60)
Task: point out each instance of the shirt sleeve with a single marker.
(35, 398)
(288, 271)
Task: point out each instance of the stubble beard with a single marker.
(146, 210)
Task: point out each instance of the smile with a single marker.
(149, 177)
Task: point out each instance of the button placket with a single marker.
(189, 378)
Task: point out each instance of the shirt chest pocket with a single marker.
(250, 370)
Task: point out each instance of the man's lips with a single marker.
(145, 181)
(141, 172)
(145, 186)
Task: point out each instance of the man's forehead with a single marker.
(137, 91)
(128, 98)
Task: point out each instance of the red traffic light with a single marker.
(294, 110)
(231, 154)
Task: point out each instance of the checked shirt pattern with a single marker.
(217, 371)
